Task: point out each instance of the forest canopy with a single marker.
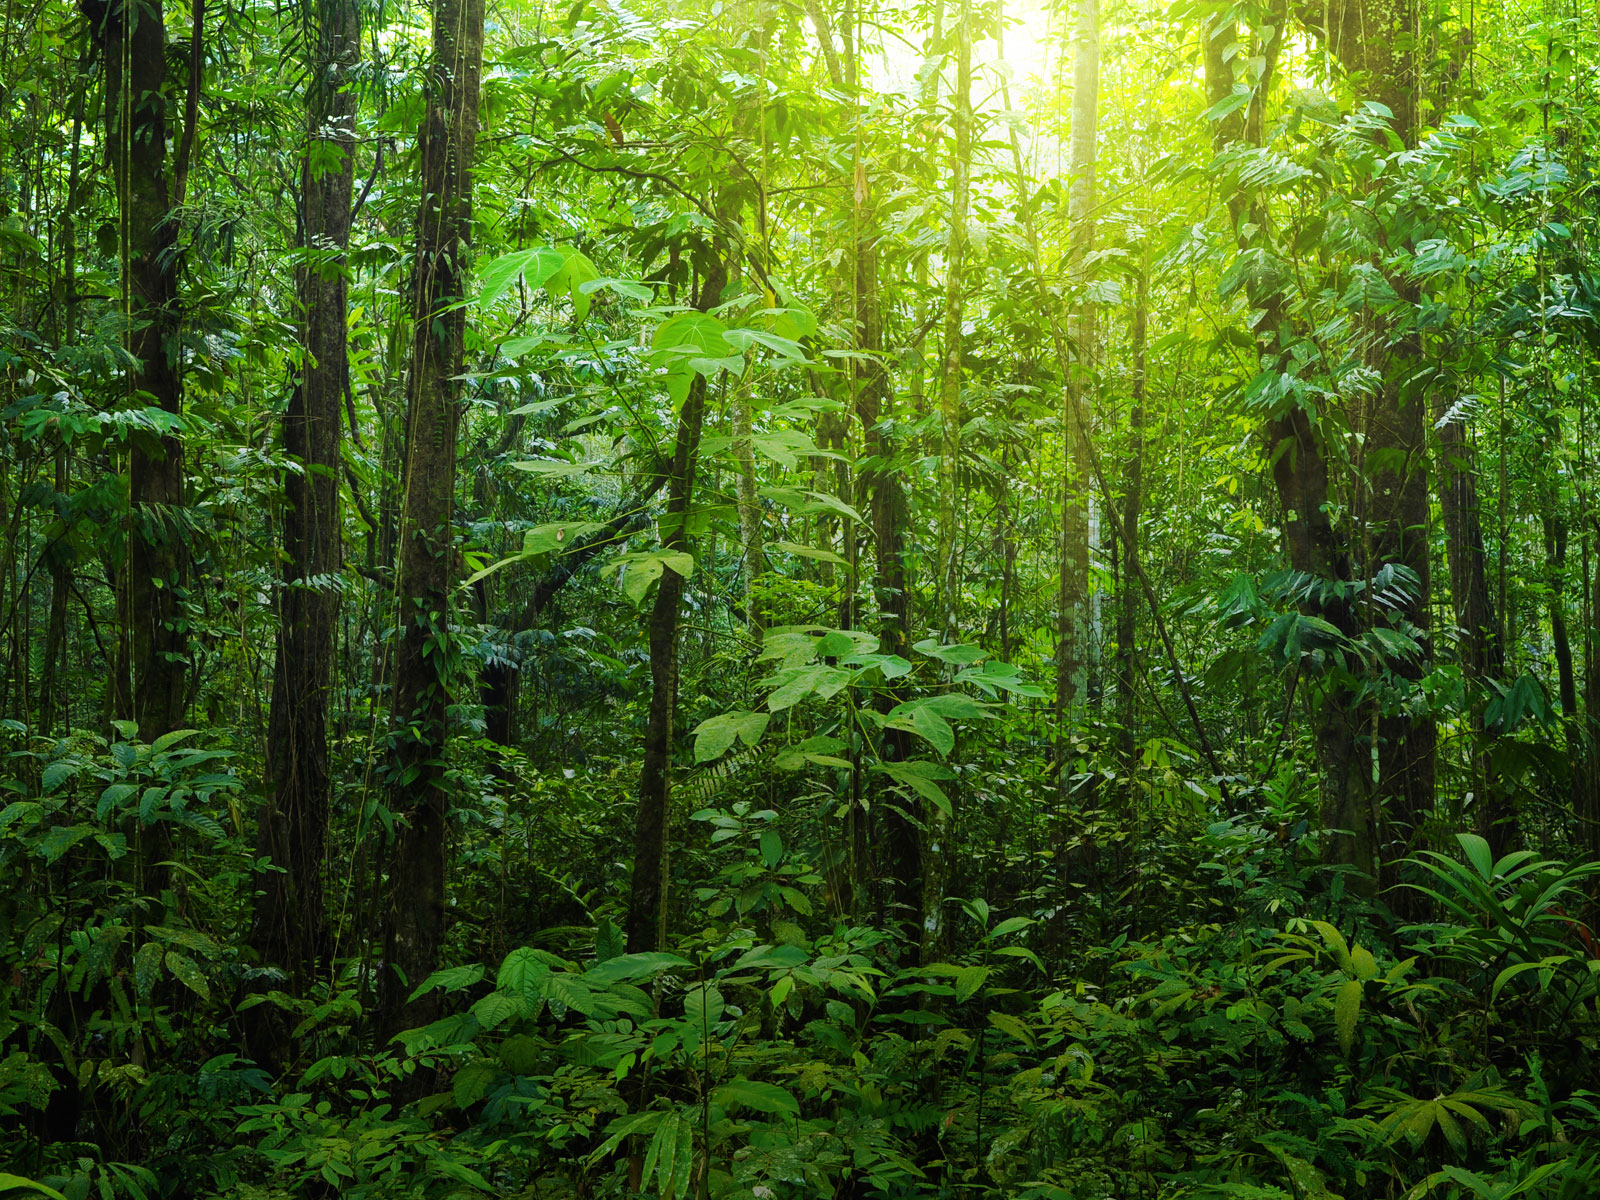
(765, 599)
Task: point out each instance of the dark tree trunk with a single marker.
(901, 861)
(414, 917)
(290, 928)
(647, 900)
(1478, 641)
(154, 647)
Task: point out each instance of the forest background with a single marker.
(740, 600)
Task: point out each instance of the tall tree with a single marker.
(647, 898)
(289, 926)
(132, 44)
(425, 656)
(948, 541)
(1073, 633)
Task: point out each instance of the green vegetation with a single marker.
(743, 600)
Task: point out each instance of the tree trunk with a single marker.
(425, 655)
(154, 646)
(1132, 509)
(948, 540)
(752, 557)
(1072, 619)
(647, 899)
(289, 928)
(1478, 639)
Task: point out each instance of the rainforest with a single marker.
(799, 599)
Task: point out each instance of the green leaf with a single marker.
(960, 655)
(575, 271)
(1009, 925)
(703, 1006)
(471, 1083)
(827, 556)
(187, 972)
(497, 1008)
(626, 1127)
(796, 683)
(17, 1184)
(763, 1097)
(926, 724)
(714, 736)
(631, 288)
(771, 849)
(919, 776)
(1008, 1024)
(1346, 1007)
(630, 968)
(1335, 942)
(608, 943)
(694, 335)
(168, 740)
(56, 774)
(496, 277)
(969, 981)
(565, 992)
(146, 969)
(1478, 854)
(555, 467)
(450, 979)
(641, 570)
(523, 974)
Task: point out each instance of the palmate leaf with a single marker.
(714, 736)
(535, 266)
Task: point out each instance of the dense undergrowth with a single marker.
(1149, 1000)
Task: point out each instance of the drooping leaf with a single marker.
(750, 1093)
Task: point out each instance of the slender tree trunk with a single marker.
(647, 899)
(948, 540)
(1073, 647)
(50, 689)
(1478, 642)
(289, 928)
(425, 655)
(752, 557)
(1132, 510)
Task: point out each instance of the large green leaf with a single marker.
(18, 1187)
(920, 777)
(714, 736)
(750, 1093)
(535, 266)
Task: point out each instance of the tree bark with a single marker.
(154, 646)
(947, 537)
(290, 925)
(1132, 510)
(425, 655)
(647, 900)
(1073, 649)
